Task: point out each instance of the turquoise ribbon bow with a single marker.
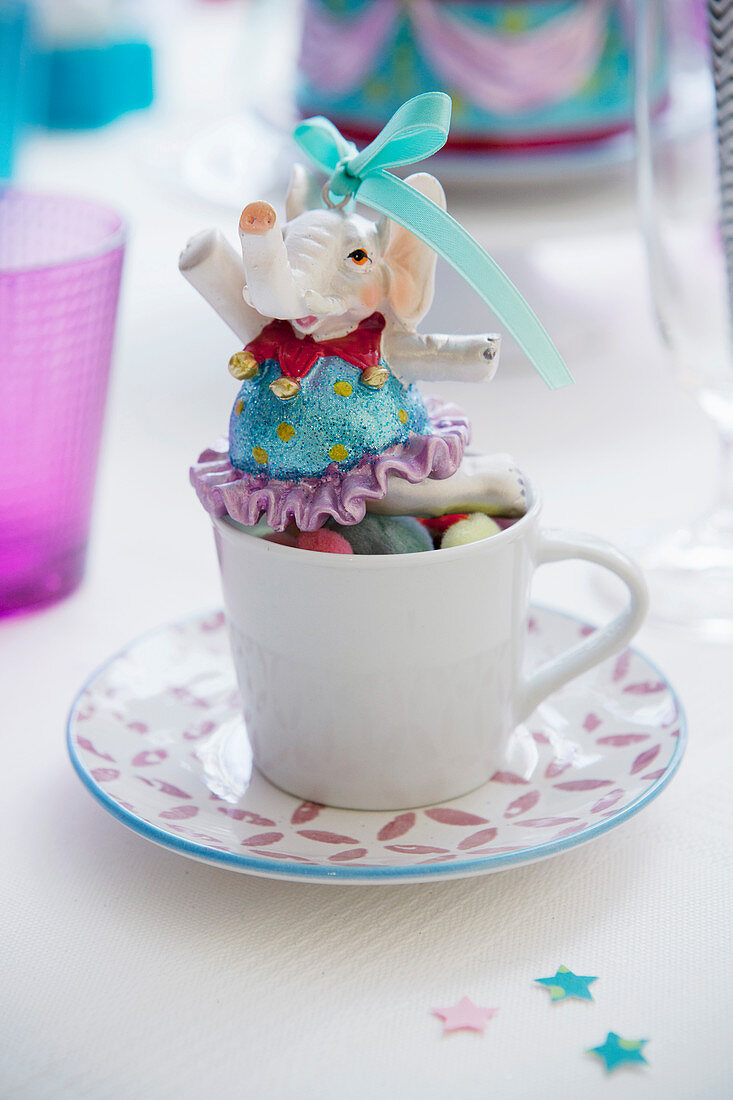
(417, 130)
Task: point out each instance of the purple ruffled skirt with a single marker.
(341, 495)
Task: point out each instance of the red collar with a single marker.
(297, 355)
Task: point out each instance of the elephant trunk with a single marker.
(270, 283)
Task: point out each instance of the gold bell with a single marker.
(375, 377)
(243, 366)
(285, 388)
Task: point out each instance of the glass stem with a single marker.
(724, 507)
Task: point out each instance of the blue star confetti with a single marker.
(566, 984)
(617, 1052)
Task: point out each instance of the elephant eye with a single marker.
(359, 257)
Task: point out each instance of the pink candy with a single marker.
(324, 540)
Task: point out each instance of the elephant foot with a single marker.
(285, 388)
(483, 483)
(243, 366)
(375, 377)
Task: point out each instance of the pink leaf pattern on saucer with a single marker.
(645, 758)
(645, 688)
(556, 767)
(245, 815)
(446, 815)
(621, 668)
(523, 804)
(397, 827)
(146, 759)
(621, 740)
(201, 729)
(138, 727)
(165, 788)
(261, 839)
(178, 813)
(85, 743)
(306, 811)
(104, 775)
(483, 836)
(589, 770)
(324, 837)
(607, 801)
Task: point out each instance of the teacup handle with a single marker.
(559, 546)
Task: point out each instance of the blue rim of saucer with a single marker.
(352, 875)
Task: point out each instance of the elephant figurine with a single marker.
(328, 420)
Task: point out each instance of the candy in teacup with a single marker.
(471, 529)
(384, 534)
(328, 421)
(387, 535)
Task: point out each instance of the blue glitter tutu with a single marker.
(333, 423)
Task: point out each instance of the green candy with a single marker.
(386, 535)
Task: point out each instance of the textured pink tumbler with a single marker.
(60, 264)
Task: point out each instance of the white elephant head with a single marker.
(329, 269)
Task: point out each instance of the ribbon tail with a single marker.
(390, 195)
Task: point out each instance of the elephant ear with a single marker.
(411, 262)
(303, 193)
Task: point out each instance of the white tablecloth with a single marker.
(129, 971)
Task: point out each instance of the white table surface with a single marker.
(129, 971)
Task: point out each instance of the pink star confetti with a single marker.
(465, 1016)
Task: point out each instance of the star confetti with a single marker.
(566, 984)
(617, 1052)
(465, 1016)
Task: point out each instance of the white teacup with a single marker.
(394, 681)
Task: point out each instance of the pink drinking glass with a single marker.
(60, 264)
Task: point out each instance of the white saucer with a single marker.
(157, 737)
